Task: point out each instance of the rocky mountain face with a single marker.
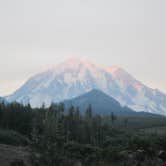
(75, 77)
(102, 104)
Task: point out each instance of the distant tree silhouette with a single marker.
(113, 118)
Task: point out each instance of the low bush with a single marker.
(12, 138)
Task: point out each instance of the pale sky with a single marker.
(36, 34)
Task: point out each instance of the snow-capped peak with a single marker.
(113, 69)
(73, 61)
(75, 64)
(124, 78)
(76, 76)
(118, 71)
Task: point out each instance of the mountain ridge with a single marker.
(75, 77)
(101, 104)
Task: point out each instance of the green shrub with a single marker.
(12, 138)
(84, 153)
(141, 142)
(17, 163)
(112, 154)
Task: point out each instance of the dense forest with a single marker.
(55, 137)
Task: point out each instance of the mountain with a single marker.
(67, 80)
(75, 77)
(102, 104)
(137, 95)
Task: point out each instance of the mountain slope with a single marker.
(2, 99)
(101, 104)
(75, 77)
(69, 79)
(140, 96)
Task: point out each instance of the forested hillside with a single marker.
(54, 137)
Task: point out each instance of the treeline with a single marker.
(16, 117)
(58, 137)
(84, 128)
(67, 138)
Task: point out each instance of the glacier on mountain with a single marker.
(75, 77)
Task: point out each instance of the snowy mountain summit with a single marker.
(75, 77)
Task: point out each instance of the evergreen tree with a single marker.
(88, 113)
(126, 122)
(113, 118)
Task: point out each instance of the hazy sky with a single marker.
(35, 34)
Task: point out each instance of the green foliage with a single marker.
(16, 117)
(161, 142)
(113, 118)
(88, 113)
(17, 163)
(84, 153)
(59, 138)
(138, 142)
(112, 154)
(12, 138)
